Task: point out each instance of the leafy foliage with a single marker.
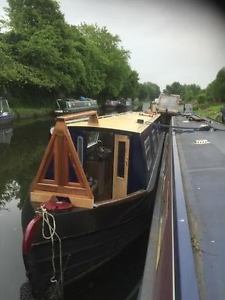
(42, 55)
(148, 91)
(188, 92)
(175, 88)
(216, 89)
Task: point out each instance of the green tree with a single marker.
(190, 92)
(27, 16)
(175, 88)
(216, 89)
(48, 58)
(148, 91)
(11, 71)
(130, 86)
(106, 63)
(202, 98)
(40, 40)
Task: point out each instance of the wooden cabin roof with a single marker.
(124, 122)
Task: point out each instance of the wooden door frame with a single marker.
(120, 183)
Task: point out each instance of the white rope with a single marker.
(49, 220)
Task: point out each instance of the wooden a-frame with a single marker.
(61, 151)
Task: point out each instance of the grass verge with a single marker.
(211, 110)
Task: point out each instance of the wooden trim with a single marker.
(120, 183)
(48, 181)
(92, 114)
(42, 197)
(45, 162)
(132, 196)
(61, 189)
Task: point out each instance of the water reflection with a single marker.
(10, 193)
(6, 135)
(19, 160)
(21, 149)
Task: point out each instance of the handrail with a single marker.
(186, 280)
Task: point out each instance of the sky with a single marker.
(168, 40)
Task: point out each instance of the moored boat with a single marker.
(111, 105)
(124, 105)
(168, 104)
(120, 105)
(6, 114)
(92, 195)
(68, 106)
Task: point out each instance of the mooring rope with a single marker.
(49, 220)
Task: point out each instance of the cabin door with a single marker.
(120, 167)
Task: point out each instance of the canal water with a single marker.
(21, 148)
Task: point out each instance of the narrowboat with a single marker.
(168, 104)
(68, 106)
(6, 114)
(124, 105)
(92, 195)
(111, 105)
(120, 105)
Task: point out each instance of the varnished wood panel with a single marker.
(61, 150)
(120, 183)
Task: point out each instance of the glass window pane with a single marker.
(80, 148)
(121, 159)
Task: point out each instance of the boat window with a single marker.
(121, 159)
(154, 140)
(148, 154)
(80, 145)
(92, 139)
(59, 103)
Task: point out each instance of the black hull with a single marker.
(89, 238)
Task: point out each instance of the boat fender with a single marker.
(30, 233)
